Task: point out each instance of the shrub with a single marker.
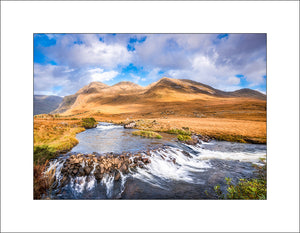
(246, 188)
(89, 123)
(147, 134)
(43, 153)
(181, 137)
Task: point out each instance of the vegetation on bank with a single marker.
(54, 137)
(181, 137)
(89, 123)
(147, 134)
(43, 181)
(184, 131)
(43, 153)
(236, 138)
(50, 139)
(246, 188)
(217, 134)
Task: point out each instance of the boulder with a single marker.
(116, 161)
(204, 138)
(186, 154)
(141, 165)
(81, 172)
(146, 160)
(193, 141)
(130, 125)
(87, 170)
(124, 168)
(98, 175)
(64, 170)
(102, 169)
(117, 176)
(75, 171)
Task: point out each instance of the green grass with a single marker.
(246, 189)
(147, 134)
(43, 153)
(181, 137)
(185, 131)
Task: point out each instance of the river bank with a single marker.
(54, 134)
(126, 166)
(57, 135)
(219, 129)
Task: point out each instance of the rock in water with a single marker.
(186, 154)
(130, 125)
(124, 168)
(117, 176)
(192, 141)
(81, 172)
(87, 170)
(98, 175)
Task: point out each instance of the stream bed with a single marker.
(176, 170)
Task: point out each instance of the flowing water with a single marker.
(176, 171)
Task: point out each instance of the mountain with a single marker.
(180, 96)
(45, 103)
(246, 92)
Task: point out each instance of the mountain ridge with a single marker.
(97, 94)
(43, 104)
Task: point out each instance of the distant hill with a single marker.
(45, 103)
(179, 96)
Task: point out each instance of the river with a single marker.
(176, 171)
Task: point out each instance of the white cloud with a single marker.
(83, 50)
(233, 81)
(205, 58)
(135, 78)
(47, 77)
(99, 75)
(200, 57)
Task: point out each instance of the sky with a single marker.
(64, 63)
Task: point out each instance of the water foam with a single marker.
(108, 181)
(171, 163)
(206, 154)
(184, 163)
(109, 127)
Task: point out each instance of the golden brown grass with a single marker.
(59, 134)
(147, 134)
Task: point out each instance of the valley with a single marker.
(193, 122)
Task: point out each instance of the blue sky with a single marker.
(63, 63)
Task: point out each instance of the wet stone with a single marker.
(64, 180)
(145, 160)
(75, 171)
(98, 175)
(124, 168)
(186, 154)
(87, 170)
(117, 176)
(81, 172)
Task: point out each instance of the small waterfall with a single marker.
(169, 167)
(108, 181)
(168, 164)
